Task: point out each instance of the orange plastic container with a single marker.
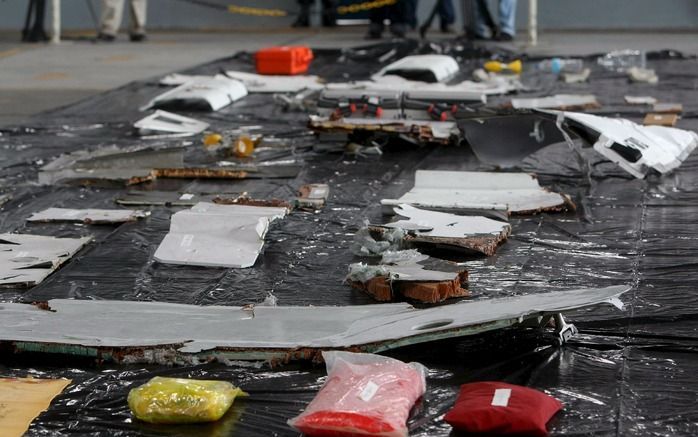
(284, 60)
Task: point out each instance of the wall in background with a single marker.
(553, 14)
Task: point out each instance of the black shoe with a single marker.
(105, 37)
(137, 37)
(504, 37)
(374, 35)
(398, 30)
(329, 19)
(445, 28)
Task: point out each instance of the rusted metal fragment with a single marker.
(412, 276)
(248, 201)
(110, 164)
(660, 120)
(199, 172)
(469, 233)
(164, 333)
(384, 289)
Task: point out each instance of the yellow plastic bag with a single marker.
(176, 400)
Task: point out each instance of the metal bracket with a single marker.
(564, 330)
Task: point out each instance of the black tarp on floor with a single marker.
(626, 373)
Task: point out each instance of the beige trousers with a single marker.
(112, 11)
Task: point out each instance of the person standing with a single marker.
(507, 21)
(397, 14)
(112, 11)
(329, 13)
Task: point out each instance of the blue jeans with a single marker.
(447, 15)
(507, 19)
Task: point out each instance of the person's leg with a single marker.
(329, 13)
(398, 14)
(447, 15)
(375, 29)
(507, 18)
(139, 9)
(482, 30)
(111, 18)
(411, 6)
(303, 19)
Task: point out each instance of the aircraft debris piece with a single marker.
(635, 148)
(566, 102)
(667, 108)
(163, 122)
(438, 132)
(122, 165)
(213, 235)
(474, 234)
(580, 77)
(88, 216)
(259, 83)
(512, 193)
(166, 333)
(209, 93)
(312, 196)
(646, 75)
(26, 260)
(640, 100)
(409, 279)
(424, 68)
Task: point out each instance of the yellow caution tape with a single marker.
(341, 10)
(259, 12)
(365, 6)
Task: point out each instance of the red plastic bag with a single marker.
(502, 409)
(364, 395)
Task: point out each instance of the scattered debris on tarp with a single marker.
(365, 395)
(88, 216)
(246, 200)
(26, 260)
(472, 234)
(4, 198)
(163, 333)
(405, 275)
(312, 196)
(207, 93)
(213, 235)
(565, 102)
(576, 77)
(179, 400)
(163, 123)
(167, 198)
(23, 399)
(512, 193)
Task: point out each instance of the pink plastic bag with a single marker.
(364, 395)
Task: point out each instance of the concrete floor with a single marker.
(38, 77)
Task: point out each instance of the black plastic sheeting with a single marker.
(626, 373)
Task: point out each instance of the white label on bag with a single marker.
(369, 391)
(501, 397)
